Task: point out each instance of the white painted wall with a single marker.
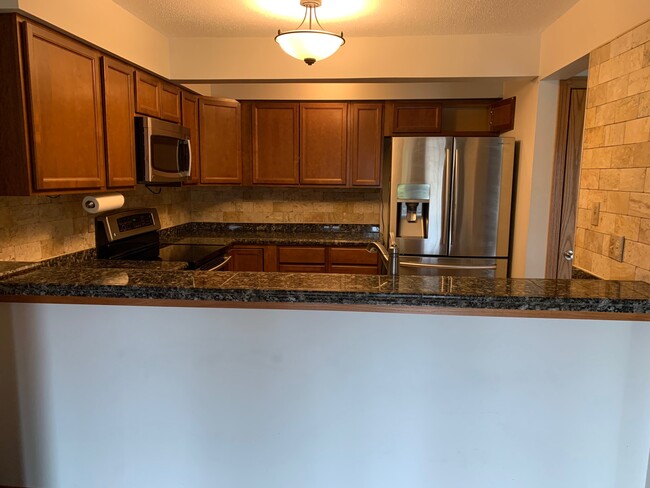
(467, 88)
(168, 397)
(108, 26)
(586, 26)
(228, 59)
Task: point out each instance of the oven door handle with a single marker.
(220, 265)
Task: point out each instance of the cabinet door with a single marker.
(147, 94)
(191, 121)
(275, 143)
(220, 141)
(170, 102)
(365, 144)
(66, 111)
(246, 259)
(416, 117)
(502, 115)
(323, 143)
(352, 260)
(118, 115)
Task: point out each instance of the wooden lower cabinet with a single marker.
(253, 258)
(353, 260)
(322, 259)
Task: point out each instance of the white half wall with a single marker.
(586, 26)
(107, 25)
(233, 59)
(168, 397)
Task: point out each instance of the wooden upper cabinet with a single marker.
(190, 120)
(147, 94)
(65, 100)
(415, 117)
(502, 115)
(275, 143)
(118, 123)
(220, 141)
(323, 143)
(366, 143)
(170, 102)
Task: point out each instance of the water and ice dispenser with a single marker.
(413, 210)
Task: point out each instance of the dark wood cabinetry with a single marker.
(190, 119)
(118, 123)
(275, 143)
(65, 104)
(157, 98)
(415, 117)
(468, 117)
(323, 143)
(365, 143)
(315, 143)
(220, 141)
(353, 260)
(246, 259)
(302, 259)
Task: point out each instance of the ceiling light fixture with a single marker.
(309, 44)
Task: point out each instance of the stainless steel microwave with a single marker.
(163, 152)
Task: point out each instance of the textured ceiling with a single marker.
(243, 18)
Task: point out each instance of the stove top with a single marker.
(133, 235)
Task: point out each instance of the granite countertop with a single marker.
(334, 289)
(103, 279)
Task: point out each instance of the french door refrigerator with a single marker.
(449, 204)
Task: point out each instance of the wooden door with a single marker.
(246, 259)
(220, 141)
(566, 178)
(170, 102)
(191, 121)
(275, 143)
(502, 115)
(65, 100)
(118, 116)
(416, 117)
(147, 94)
(366, 144)
(323, 143)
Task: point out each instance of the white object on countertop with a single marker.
(102, 203)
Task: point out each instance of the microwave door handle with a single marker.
(189, 157)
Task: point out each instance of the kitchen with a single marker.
(533, 116)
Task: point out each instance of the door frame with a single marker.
(566, 177)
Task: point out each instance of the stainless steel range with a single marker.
(133, 235)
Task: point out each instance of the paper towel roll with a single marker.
(103, 203)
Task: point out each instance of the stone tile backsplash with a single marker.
(614, 199)
(40, 227)
(36, 228)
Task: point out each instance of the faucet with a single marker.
(389, 256)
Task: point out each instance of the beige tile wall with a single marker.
(35, 228)
(289, 205)
(615, 174)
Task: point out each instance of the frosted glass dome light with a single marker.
(309, 45)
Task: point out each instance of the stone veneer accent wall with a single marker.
(288, 205)
(614, 196)
(35, 228)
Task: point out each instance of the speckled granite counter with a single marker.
(9, 268)
(84, 278)
(332, 289)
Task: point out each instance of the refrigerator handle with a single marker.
(447, 207)
(407, 264)
(454, 196)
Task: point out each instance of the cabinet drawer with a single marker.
(301, 255)
(352, 255)
(352, 269)
(302, 268)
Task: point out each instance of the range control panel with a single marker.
(121, 224)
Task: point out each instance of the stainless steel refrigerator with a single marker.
(449, 204)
